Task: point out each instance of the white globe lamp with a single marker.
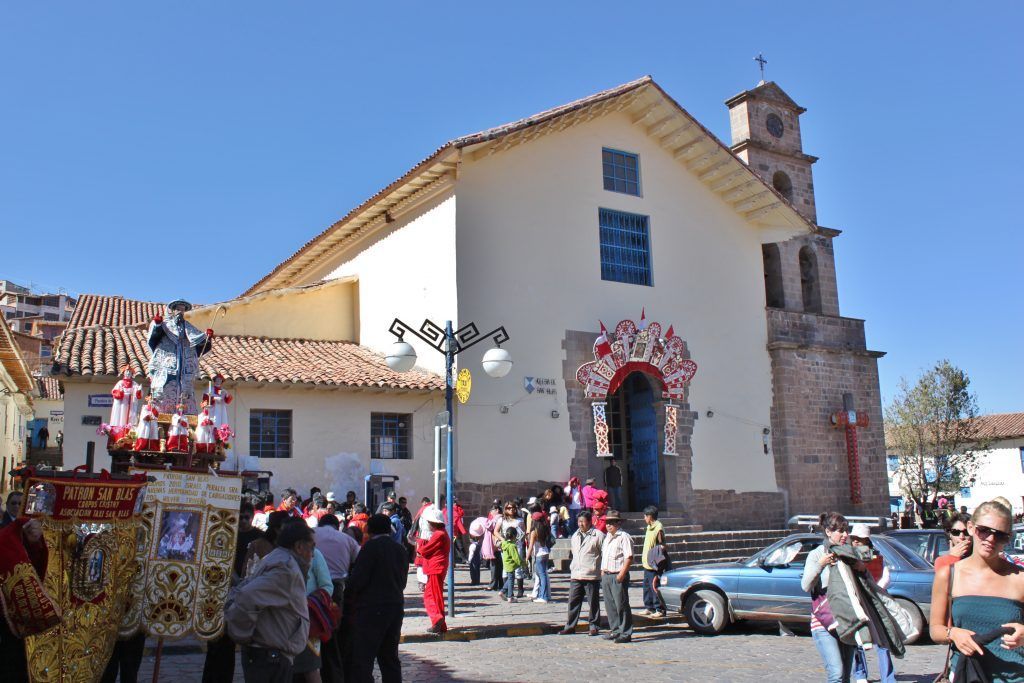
(401, 357)
(497, 362)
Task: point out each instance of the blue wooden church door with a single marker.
(643, 429)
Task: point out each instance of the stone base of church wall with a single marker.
(727, 510)
(476, 499)
(815, 360)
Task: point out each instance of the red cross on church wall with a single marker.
(850, 419)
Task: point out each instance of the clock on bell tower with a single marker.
(765, 124)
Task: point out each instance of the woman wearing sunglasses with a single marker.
(959, 541)
(987, 593)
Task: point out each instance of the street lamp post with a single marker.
(496, 362)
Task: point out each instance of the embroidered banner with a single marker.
(86, 500)
(90, 524)
(27, 607)
(190, 525)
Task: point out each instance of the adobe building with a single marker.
(725, 357)
(599, 210)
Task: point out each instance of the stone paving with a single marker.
(660, 651)
(478, 608)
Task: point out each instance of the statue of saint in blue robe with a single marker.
(176, 346)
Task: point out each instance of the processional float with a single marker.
(148, 547)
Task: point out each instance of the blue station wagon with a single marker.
(766, 586)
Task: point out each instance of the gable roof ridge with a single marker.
(552, 113)
(497, 132)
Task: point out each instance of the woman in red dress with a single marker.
(434, 555)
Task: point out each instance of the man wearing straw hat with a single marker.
(616, 557)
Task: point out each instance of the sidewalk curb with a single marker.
(466, 634)
(520, 630)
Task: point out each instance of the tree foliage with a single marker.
(932, 427)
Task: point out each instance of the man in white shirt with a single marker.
(337, 547)
(616, 557)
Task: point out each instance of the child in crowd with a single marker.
(512, 562)
(476, 535)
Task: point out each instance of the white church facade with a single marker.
(617, 208)
(596, 211)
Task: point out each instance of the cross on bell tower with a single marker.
(761, 61)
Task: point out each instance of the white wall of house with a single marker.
(409, 273)
(76, 405)
(53, 411)
(330, 434)
(331, 437)
(15, 412)
(528, 257)
(1001, 474)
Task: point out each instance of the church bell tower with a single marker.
(765, 125)
(818, 357)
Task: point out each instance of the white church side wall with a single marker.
(409, 274)
(529, 258)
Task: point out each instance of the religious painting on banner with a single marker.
(185, 555)
(90, 525)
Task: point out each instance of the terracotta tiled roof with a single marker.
(104, 350)
(97, 309)
(1001, 425)
(49, 388)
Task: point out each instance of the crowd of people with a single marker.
(318, 584)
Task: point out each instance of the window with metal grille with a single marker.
(389, 436)
(621, 171)
(625, 247)
(270, 433)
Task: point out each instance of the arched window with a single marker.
(783, 185)
(773, 292)
(809, 283)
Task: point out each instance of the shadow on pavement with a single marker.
(416, 668)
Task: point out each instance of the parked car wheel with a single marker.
(915, 613)
(706, 612)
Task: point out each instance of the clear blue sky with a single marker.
(235, 131)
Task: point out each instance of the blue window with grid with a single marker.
(625, 247)
(1022, 459)
(270, 433)
(621, 171)
(389, 436)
